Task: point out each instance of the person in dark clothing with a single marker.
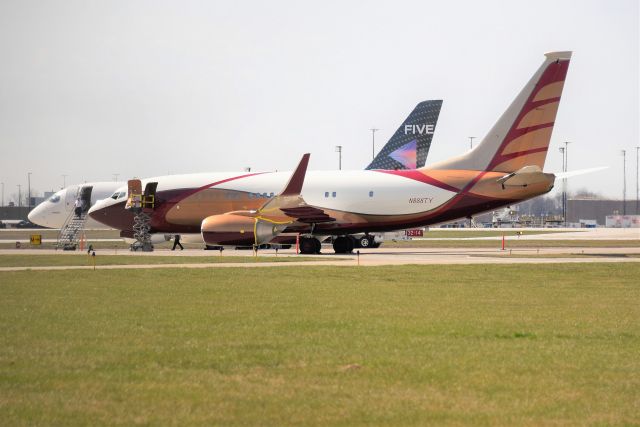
(176, 242)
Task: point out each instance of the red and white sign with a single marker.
(414, 232)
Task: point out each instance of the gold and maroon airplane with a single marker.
(257, 208)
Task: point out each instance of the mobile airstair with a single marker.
(72, 230)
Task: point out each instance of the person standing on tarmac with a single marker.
(176, 242)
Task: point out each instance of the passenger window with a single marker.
(333, 194)
(370, 193)
(326, 194)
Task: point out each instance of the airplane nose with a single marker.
(51, 212)
(99, 209)
(96, 207)
(38, 215)
(112, 213)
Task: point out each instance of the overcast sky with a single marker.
(144, 88)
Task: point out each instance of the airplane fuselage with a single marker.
(351, 201)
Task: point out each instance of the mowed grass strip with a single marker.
(86, 260)
(47, 233)
(511, 243)
(108, 245)
(435, 233)
(555, 255)
(519, 344)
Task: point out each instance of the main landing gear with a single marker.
(346, 244)
(341, 244)
(366, 241)
(310, 245)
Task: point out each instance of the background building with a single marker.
(578, 209)
(13, 212)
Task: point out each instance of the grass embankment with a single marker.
(524, 344)
(83, 259)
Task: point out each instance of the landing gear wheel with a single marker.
(365, 241)
(309, 245)
(343, 245)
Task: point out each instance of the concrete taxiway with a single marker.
(367, 257)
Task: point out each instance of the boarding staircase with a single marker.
(71, 231)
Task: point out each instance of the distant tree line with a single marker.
(552, 204)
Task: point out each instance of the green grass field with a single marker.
(505, 345)
(18, 260)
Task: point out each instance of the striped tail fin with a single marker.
(522, 134)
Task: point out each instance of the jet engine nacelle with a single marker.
(232, 229)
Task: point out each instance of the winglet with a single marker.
(294, 186)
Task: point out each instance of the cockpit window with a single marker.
(54, 199)
(118, 195)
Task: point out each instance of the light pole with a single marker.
(373, 142)
(564, 181)
(624, 182)
(564, 189)
(2, 194)
(637, 181)
(29, 192)
(339, 151)
(19, 195)
(115, 176)
(64, 181)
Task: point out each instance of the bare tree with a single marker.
(584, 193)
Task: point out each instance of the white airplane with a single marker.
(257, 208)
(54, 211)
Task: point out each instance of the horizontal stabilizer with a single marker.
(523, 177)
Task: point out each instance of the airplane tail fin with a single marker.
(409, 145)
(522, 134)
